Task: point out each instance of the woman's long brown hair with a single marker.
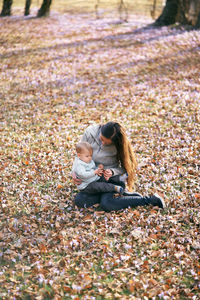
(125, 153)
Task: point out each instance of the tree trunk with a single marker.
(193, 11)
(27, 7)
(44, 9)
(181, 11)
(123, 10)
(169, 13)
(6, 9)
(198, 21)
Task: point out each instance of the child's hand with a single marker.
(98, 172)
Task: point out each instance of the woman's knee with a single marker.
(86, 200)
(106, 201)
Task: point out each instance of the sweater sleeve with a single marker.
(83, 174)
(118, 171)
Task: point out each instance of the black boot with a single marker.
(156, 200)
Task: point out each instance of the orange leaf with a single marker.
(43, 248)
(136, 213)
(59, 186)
(67, 289)
(131, 286)
(153, 281)
(153, 236)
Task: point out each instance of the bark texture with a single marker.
(27, 7)
(181, 11)
(6, 9)
(44, 9)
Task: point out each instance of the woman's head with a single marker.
(109, 133)
(113, 132)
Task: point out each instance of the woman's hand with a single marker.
(76, 180)
(107, 174)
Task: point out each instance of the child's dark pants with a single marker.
(103, 186)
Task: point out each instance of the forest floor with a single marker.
(57, 76)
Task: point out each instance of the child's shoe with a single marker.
(119, 189)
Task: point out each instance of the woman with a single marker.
(113, 150)
(109, 202)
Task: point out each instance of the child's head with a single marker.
(84, 151)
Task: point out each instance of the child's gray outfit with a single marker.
(92, 183)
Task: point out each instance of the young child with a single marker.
(92, 178)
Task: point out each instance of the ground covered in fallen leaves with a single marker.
(57, 76)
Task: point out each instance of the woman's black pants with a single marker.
(108, 202)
